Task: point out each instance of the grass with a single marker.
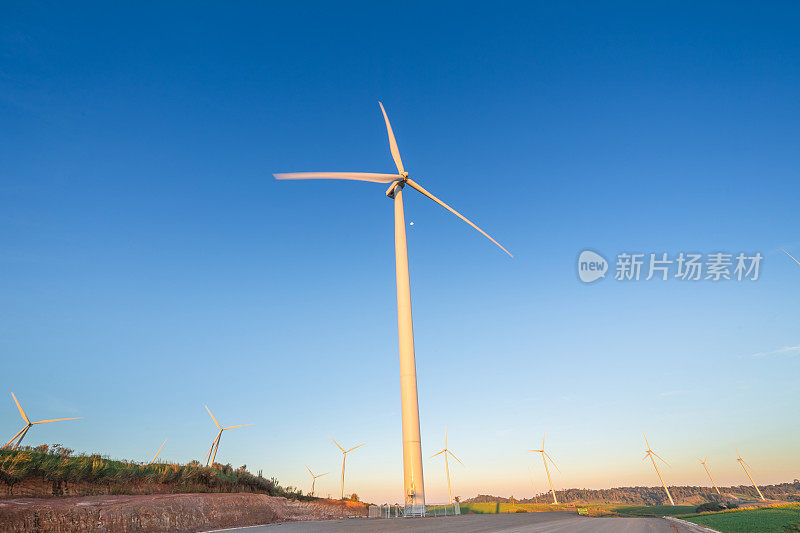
(583, 509)
(54, 463)
(775, 519)
(652, 510)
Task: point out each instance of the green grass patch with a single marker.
(776, 519)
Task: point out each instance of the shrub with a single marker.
(57, 464)
(709, 506)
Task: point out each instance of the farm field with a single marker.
(499, 508)
(777, 519)
(651, 510)
(600, 509)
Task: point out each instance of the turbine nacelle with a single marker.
(399, 184)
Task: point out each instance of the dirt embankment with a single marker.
(163, 512)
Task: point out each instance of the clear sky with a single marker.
(149, 262)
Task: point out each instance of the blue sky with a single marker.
(150, 263)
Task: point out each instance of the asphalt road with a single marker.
(503, 523)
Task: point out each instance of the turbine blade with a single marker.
(21, 412)
(212, 417)
(790, 255)
(392, 142)
(543, 434)
(434, 455)
(57, 420)
(537, 451)
(337, 444)
(662, 460)
(239, 426)
(356, 176)
(325, 474)
(418, 187)
(17, 434)
(158, 452)
(454, 457)
(645, 440)
(646, 454)
(551, 461)
(354, 447)
(309, 471)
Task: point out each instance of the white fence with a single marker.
(398, 511)
(443, 510)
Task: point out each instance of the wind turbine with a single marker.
(650, 453)
(413, 485)
(344, 458)
(745, 467)
(314, 478)
(158, 452)
(446, 451)
(790, 255)
(215, 443)
(703, 462)
(28, 424)
(545, 458)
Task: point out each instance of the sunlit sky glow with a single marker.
(151, 265)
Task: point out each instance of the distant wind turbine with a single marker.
(790, 255)
(745, 467)
(314, 478)
(344, 458)
(650, 453)
(703, 462)
(413, 485)
(545, 458)
(158, 452)
(212, 452)
(446, 451)
(28, 424)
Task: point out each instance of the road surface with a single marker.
(556, 522)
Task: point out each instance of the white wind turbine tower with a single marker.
(344, 458)
(28, 425)
(650, 453)
(446, 451)
(745, 467)
(314, 478)
(413, 484)
(545, 458)
(211, 456)
(703, 462)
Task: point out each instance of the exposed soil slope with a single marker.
(163, 512)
